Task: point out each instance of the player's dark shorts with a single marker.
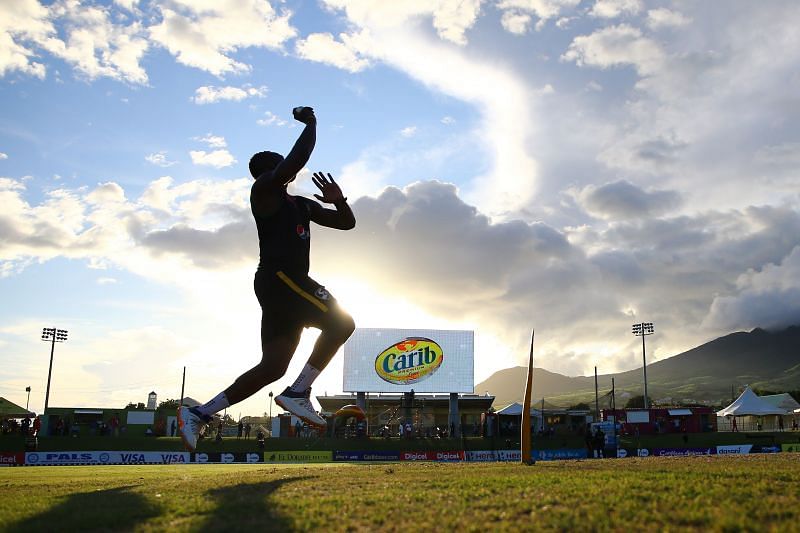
(291, 302)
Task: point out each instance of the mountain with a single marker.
(707, 373)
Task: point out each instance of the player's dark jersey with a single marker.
(284, 238)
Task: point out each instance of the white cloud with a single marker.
(515, 22)
(614, 46)
(450, 18)
(565, 280)
(515, 10)
(205, 35)
(448, 120)
(210, 94)
(768, 297)
(324, 48)
(159, 159)
(219, 158)
(386, 32)
(215, 158)
(664, 18)
(106, 281)
(3, 155)
(128, 5)
(271, 119)
(95, 46)
(23, 24)
(213, 141)
(614, 8)
(408, 131)
(594, 86)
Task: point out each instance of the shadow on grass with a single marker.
(247, 507)
(102, 510)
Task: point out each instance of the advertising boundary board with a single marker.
(734, 449)
(509, 455)
(682, 452)
(482, 456)
(440, 456)
(105, 458)
(228, 457)
(298, 456)
(764, 448)
(560, 454)
(378, 455)
(12, 458)
(790, 448)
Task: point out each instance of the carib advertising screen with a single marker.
(399, 360)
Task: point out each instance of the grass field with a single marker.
(728, 493)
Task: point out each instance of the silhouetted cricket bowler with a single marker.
(290, 300)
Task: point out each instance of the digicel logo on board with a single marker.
(409, 361)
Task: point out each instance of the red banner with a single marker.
(457, 455)
(12, 459)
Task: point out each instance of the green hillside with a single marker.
(761, 359)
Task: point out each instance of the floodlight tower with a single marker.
(642, 330)
(53, 336)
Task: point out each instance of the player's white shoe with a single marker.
(299, 404)
(189, 425)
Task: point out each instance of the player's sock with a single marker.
(214, 405)
(305, 379)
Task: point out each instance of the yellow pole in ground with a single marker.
(525, 437)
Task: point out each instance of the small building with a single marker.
(548, 417)
(659, 420)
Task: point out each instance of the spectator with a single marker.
(401, 430)
(780, 423)
(172, 427)
(599, 443)
(409, 429)
(37, 425)
(149, 432)
(589, 441)
(240, 430)
(247, 431)
(76, 430)
(298, 428)
(260, 439)
(26, 425)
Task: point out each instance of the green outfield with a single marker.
(731, 493)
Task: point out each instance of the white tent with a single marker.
(749, 404)
(782, 401)
(515, 409)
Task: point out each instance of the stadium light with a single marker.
(642, 330)
(53, 336)
(28, 402)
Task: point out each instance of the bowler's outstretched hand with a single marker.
(331, 193)
(304, 114)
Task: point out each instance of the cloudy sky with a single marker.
(570, 165)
